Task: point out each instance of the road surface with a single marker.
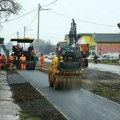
(75, 104)
(105, 67)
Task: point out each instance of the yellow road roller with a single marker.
(65, 70)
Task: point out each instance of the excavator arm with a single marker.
(72, 34)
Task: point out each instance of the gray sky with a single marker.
(55, 23)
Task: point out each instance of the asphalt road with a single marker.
(105, 67)
(75, 104)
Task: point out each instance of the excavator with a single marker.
(65, 70)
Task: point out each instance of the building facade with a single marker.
(106, 43)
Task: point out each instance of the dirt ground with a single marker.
(34, 106)
(102, 83)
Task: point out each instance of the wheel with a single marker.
(50, 80)
(55, 84)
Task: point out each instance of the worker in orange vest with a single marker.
(22, 62)
(17, 47)
(1, 61)
(42, 61)
(4, 61)
(11, 60)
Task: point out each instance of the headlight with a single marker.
(61, 57)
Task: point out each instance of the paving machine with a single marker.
(65, 70)
(20, 48)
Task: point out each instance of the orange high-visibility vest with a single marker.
(11, 58)
(0, 58)
(42, 59)
(4, 59)
(22, 58)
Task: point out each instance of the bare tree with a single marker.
(8, 7)
(43, 46)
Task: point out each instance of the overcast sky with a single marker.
(99, 16)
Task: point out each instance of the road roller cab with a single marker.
(65, 69)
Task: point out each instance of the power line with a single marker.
(32, 21)
(96, 23)
(44, 36)
(50, 3)
(28, 25)
(27, 13)
(82, 20)
(59, 15)
(18, 17)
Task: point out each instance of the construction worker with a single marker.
(95, 59)
(22, 62)
(11, 60)
(1, 61)
(42, 61)
(84, 63)
(55, 61)
(4, 61)
(17, 47)
(35, 58)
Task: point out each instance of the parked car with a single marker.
(100, 58)
(109, 58)
(113, 58)
(91, 57)
(51, 55)
(45, 56)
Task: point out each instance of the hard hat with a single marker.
(82, 41)
(55, 60)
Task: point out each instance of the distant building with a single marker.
(106, 43)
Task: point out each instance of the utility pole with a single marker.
(39, 7)
(24, 31)
(17, 34)
(38, 25)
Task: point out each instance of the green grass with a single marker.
(106, 92)
(24, 116)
